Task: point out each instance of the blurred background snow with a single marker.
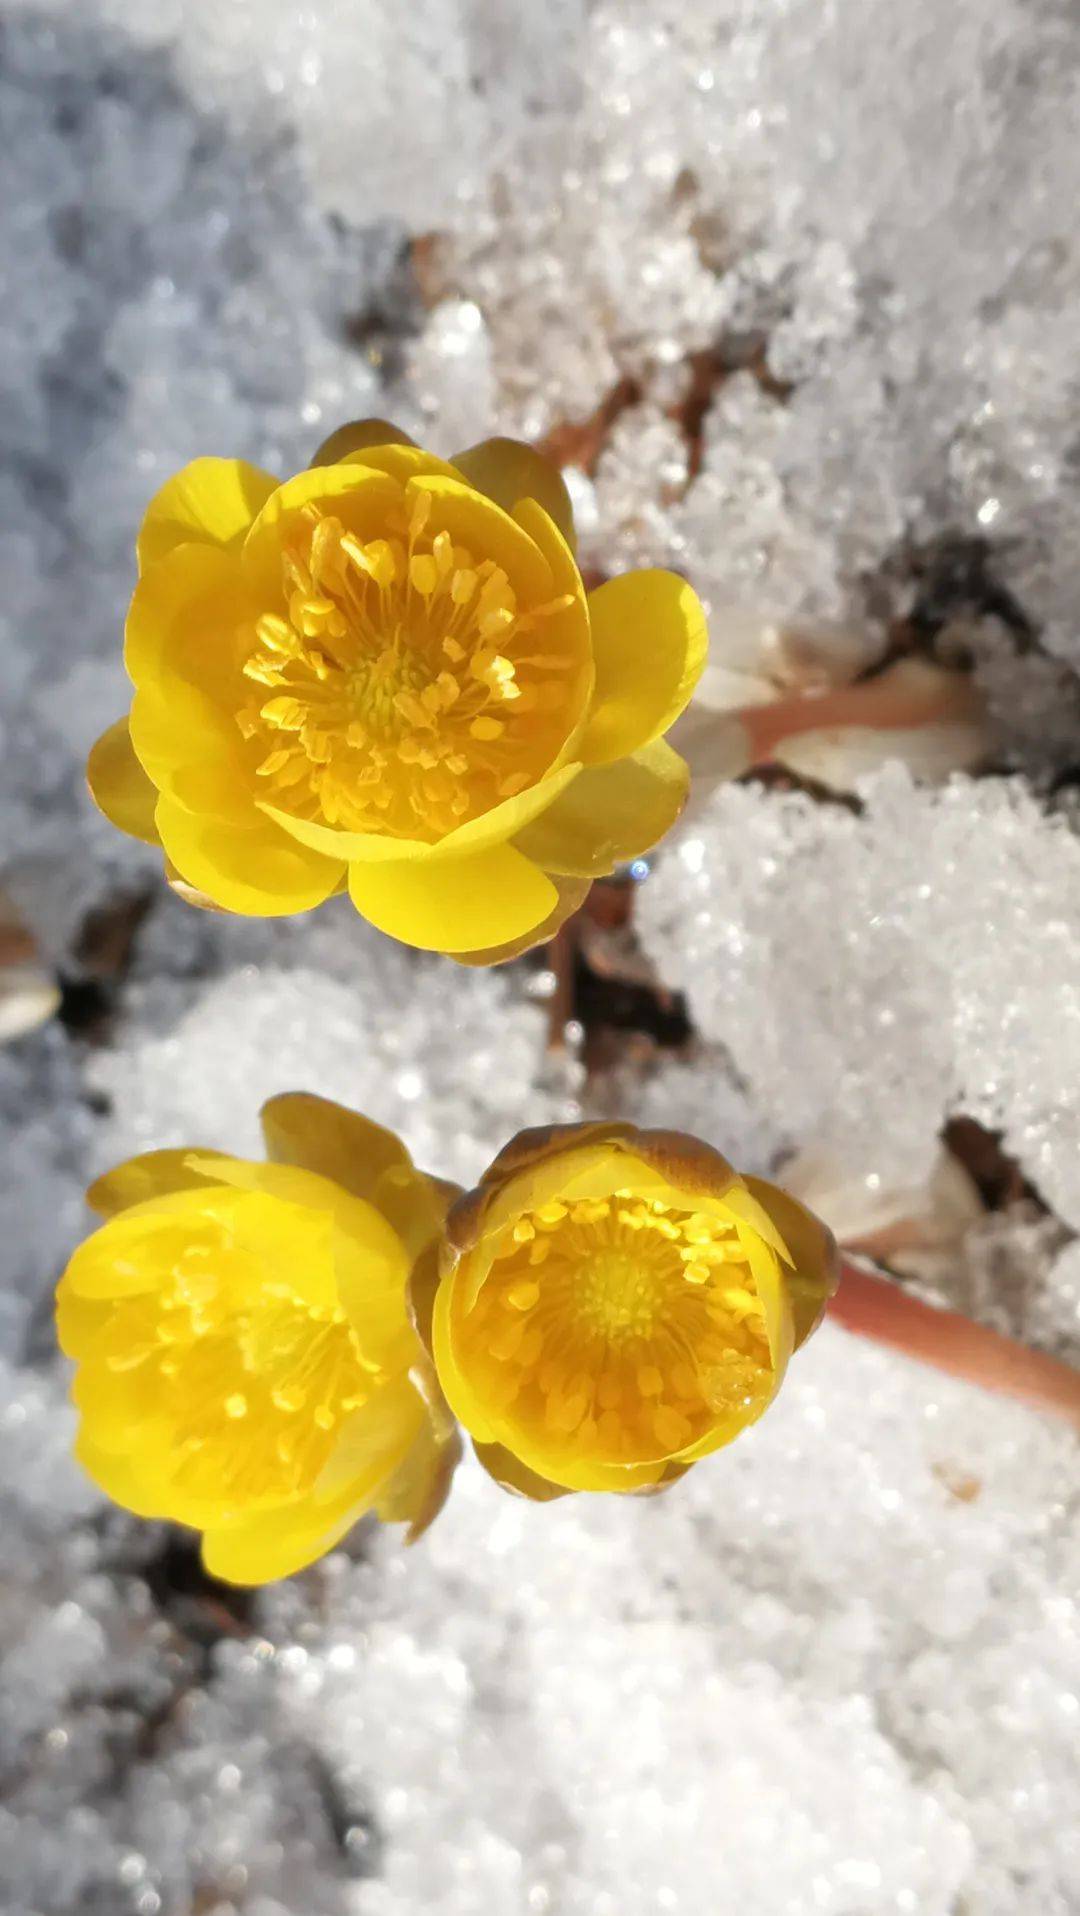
(791, 288)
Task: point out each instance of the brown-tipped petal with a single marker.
(421, 1484)
(685, 1162)
(465, 1218)
(512, 1475)
(813, 1250)
(539, 1141)
(190, 894)
(356, 436)
(420, 1288)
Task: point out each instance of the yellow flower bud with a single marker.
(385, 675)
(245, 1361)
(655, 1326)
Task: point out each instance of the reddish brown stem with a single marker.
(562, 953)
(905, 695)
(876, 1307)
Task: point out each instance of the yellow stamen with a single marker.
(386, 661)
(628, 1325)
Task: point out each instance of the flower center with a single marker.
(253, 1380)
(621, 1328)
(406, 690)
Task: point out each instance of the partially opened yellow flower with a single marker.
(385, 673)
(245, 1361)
(612, 1304)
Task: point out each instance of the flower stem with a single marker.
(562, 955)
(880, 1309)
(908, 694)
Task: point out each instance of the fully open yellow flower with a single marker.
(245, 1361)
(385, 673)
(612, 1304)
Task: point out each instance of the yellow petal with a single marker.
(417, 1491)
(98, 1268)
(571, 894)
(724, 1429)
(152, 1174)
(454, 904)
(211, 501)
(318, 1135)
(464, 1400)
(475, 521)
(421, 1286)
(124, 1256)
(191, 752)
(189, 621)
(361, 1157)
(338, 1249)
(513, 1475)
(745, 1209)
(544, 532)
(576, 1473)
(371, 1449)
(188, 892)
(372, 1442)
(508, 470)
(309, 1190)
(813, 1249)
(772, 1289)
(359, 495)
(277, 1543)
(78, 1320)
(492, 827)
(356, 437)
(257, 871)
(122, 1476)
(592, 1170)
(609, 814)
(567, 630)
(402, 462)
(649, 647)
(119, 786)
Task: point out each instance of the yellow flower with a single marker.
(612, 1304)
(385, 673)
(245, 1361)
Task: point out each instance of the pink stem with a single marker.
(897, 700)
(876, 1307)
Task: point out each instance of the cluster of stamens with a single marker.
(255, 1381)
(621, 1327)
(392, 688)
